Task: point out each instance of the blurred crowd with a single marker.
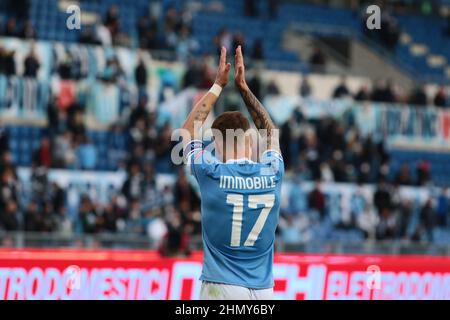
(168, 217)
(325, 150)
(385, 214)
(383, 91)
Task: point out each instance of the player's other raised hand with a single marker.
(224, 69)
(239, 66)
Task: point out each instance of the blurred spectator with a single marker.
(318, 60)
(10, 28)
(7, 62)
(419, 97)
(187, 45)
(112, 16)
(423, 172)
(388, 35)
(387, 225)
(428, 219)
(305, 87)
(33, 219)
(403, 176)
(63, 153)
(8, 216)
(135, 221)
(194, 74)
(272, 88)
(171, 20)
(258, 50)
(255, 84)
(185, 197)
(43, 155)
(382, 198)
(223, 38)
(89, 35)
(132, 186)
(288, 140)
(65, 67)
(141, 114)
(89, 218)
(390, 32)
(28, 31)
(112, 24)
(341, 90)
(363, 94)
(383, 92)
(163, 149)
(4, 145)
(171, 27)
(405, 212)
(76, 121)
(8, 188)
(57, 197)
(50, 221)
(39, 183)
(238, 40)
(32, 64)
(440, 99)
(113, 72)
(175, 242)
(148, 32)
(316, 200)
(140, 73)
(86, 154)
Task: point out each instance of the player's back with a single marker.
(240, 208)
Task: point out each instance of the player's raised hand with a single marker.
(239, 66)
(224, 69)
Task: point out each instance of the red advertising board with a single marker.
(113, 274)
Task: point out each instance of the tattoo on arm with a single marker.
(259, 114)
(261, 118)
(199, 113)
(202, 113)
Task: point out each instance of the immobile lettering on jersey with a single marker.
(250, 183)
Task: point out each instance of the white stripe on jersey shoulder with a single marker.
(274, 151)
(240, 160)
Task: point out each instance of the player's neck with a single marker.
(238, 156)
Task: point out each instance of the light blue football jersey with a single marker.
(240, 204)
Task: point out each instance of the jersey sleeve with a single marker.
(273, 163)
(199, 160)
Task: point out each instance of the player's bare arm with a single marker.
(203, 107)
(259, 114)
